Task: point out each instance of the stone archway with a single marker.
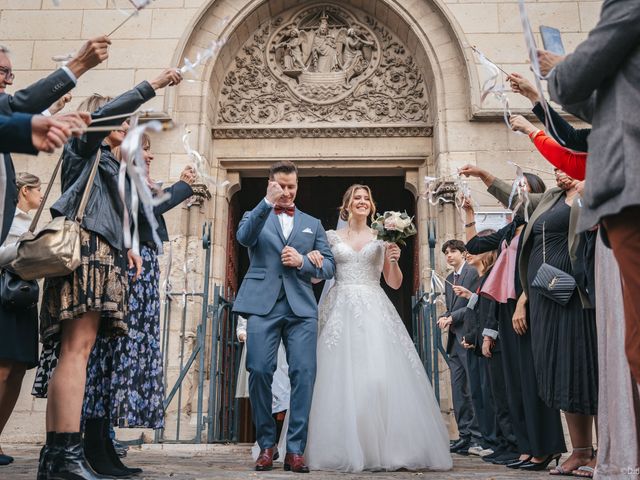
(418, 37)
(422, 28)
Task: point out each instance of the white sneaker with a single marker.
(476, 450)
(485, 452)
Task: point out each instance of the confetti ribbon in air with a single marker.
(532, 49)
(133, 166)
(62, 60)
(202, 57)
(433, 188)
(463, 194)
(436, 289)
(199, 163)
(520, 193)
(491, 87)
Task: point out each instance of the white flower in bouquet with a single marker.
(394, 227)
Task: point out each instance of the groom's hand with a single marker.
(274, 192)
(291, 258)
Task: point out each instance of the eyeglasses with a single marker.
(8, 74)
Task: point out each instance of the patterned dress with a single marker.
(124, 374)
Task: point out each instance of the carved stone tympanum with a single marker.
(323, 53)
(323, 65)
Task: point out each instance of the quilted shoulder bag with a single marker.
(552, 282)
(55, 250)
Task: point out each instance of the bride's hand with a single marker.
(392, 251)
(316, 258)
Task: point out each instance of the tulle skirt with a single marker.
(373, 406)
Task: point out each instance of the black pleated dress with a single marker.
(563, 338)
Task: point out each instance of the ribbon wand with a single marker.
(473, 47)
(139, 5)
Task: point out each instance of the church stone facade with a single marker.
(346, 89)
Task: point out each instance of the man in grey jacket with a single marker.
(600, 83)
(35, 99)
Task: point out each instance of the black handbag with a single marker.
(553, 283)
(16, 293)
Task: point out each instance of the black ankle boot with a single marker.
(111, 451)
(67, 459)
(46, 452)
(96, 451)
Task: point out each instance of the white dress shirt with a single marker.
(9, 249)
(286, 221)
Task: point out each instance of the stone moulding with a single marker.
(322, 132)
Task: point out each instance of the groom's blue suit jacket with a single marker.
(261, 233)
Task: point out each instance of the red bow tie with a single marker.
(288, 210)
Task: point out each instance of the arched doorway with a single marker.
(381, 115)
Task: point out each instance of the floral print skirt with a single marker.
(125, 374)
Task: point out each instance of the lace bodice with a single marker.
(361, 267)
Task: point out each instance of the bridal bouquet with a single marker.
(394, 227)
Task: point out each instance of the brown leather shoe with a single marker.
(295, 463)
(266, 458)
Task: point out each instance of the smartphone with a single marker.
(552, 40)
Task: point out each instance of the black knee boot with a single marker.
(68, 461)
(46, 453)
(96, 450)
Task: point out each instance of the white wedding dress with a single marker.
(373, 406)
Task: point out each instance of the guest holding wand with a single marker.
(93, 297)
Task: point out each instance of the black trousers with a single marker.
(537, 428)
(507, 440)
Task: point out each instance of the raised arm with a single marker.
(252, 224)
(600, 57)
(39, 96)
(573, 138)
(572, 163)
(178, 193)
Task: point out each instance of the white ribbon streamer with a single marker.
(491, 87)
(520, 191)
(433, 187)
(133, 165)
(199, 163)
(532, 49)
(202, 57)
(436, 289)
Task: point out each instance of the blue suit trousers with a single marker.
(299, 336)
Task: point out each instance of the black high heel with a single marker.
(519, 463)
(531, 466)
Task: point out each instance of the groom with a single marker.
(277, 298)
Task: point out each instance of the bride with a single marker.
(373, 407)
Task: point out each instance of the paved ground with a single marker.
(189, 462)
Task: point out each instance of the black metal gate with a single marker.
(212, 362)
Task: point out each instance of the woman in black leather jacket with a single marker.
(94, 296)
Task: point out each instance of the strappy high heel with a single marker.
(559, 470)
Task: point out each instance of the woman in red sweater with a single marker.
(572, 163)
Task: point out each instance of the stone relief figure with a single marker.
(324, 53)
(354, 53)
(292, 46)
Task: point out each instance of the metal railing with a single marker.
(223, 417)
(426, 334)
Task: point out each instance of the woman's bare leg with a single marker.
(66, 387)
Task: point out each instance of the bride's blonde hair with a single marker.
(345, 213)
